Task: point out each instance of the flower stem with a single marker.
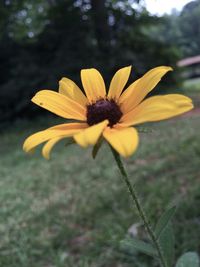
(140, 209)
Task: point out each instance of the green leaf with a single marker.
(167, 243)
(165, 236)
(96, 148)
(136, 244)
(189, 259)
(164, 221)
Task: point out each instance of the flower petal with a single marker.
(137, 91)
(157, 108)
(118, 82)
(178, 99)
(90, 135)
(124, 141)
(46, 150)
(60, 104)
(69, 88)
(93, 84)
(62, 130)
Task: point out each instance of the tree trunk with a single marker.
(102, 28)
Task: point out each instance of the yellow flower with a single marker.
(111, 115)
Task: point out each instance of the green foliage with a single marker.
(188, 259)
(42, 41)
(181, 30)
(164, 220)
(28, 21)
(165, 235)
(167, 243)
(96, 147)
(189, 24)
(133, 244)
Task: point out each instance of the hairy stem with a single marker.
(139, 207)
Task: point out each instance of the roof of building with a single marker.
(189, 61)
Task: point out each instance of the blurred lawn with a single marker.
(192, 84)
(73, 211)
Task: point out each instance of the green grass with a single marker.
(191, 87)
(192, 84)
(73, 210)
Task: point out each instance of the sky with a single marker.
(164, 6)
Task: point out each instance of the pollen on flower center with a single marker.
(103, 109)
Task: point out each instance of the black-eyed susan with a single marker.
(111, 115)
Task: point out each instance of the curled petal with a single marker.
(46, 150)
(124, 141)
(90, 135)
(68, 88)
(63, 130)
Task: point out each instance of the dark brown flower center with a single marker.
(103, 109)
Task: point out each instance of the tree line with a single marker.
(42, 41)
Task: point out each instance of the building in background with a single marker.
(191, 65)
